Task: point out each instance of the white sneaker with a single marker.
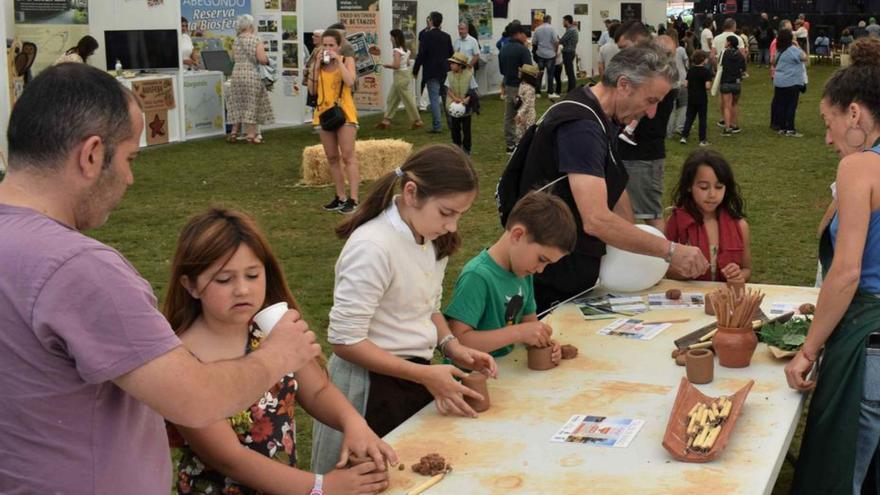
(704, 143)
(553, 96)
(683, 141)
(537, 95)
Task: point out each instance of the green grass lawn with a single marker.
(784, 182)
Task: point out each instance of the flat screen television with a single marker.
(142, 49)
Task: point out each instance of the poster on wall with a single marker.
(479, 14)
(403, 17)
(290, 82)
(270, 43)
(288, 5)
(630, 12)
(203, 99)
(357, 5)
(581, 9)
(52, 25)
(156, 97)
(361, 19)
(537, 18)
(271, 4)
(268, 23)
(289, 59)
(51, 11)
(212, 24)
(288, 27)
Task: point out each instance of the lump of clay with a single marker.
(806, 309)
(430, 465)
(673, 294)
(569, 351)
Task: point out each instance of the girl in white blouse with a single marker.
(386, 322)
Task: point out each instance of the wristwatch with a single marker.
(318, 489)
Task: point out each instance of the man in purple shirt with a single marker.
(89, 366)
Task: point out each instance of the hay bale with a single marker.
(375, 157)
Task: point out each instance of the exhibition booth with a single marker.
(181, 104)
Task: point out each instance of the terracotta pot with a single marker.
(735, 346)
(478, 383)
(708, 304)
(539, 358)
(700, 366)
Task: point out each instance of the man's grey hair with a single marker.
(640, 63)
(243, 23)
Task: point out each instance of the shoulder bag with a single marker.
(332, 118)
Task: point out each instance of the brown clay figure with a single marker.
(806, 309)
(430, 465)
(569, 351)
(673, 294)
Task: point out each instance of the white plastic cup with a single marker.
(268, 317)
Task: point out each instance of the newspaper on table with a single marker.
(634, 329)
(607, 307)
(690, 300)
(627, 305)
(599, 430)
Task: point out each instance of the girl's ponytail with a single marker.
(377, 201)
(437, 170)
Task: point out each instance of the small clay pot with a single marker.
(539, 358)
(478, 383)
(707, 307)
(735, 346)
(700, 366)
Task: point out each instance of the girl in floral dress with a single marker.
(224, 272)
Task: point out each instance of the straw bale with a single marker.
(375, 157)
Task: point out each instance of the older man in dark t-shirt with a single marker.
(89, 366)
(581, 133)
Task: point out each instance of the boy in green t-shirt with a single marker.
(493, 304)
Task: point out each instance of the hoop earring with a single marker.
(861, 143)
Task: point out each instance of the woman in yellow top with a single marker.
(334, 76)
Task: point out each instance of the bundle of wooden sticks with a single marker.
(735, 308)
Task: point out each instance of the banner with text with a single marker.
(212, 22)
(361, 19)
(52, 25)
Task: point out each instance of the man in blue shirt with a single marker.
(467, 44)
(511, 57)
(545, 41)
